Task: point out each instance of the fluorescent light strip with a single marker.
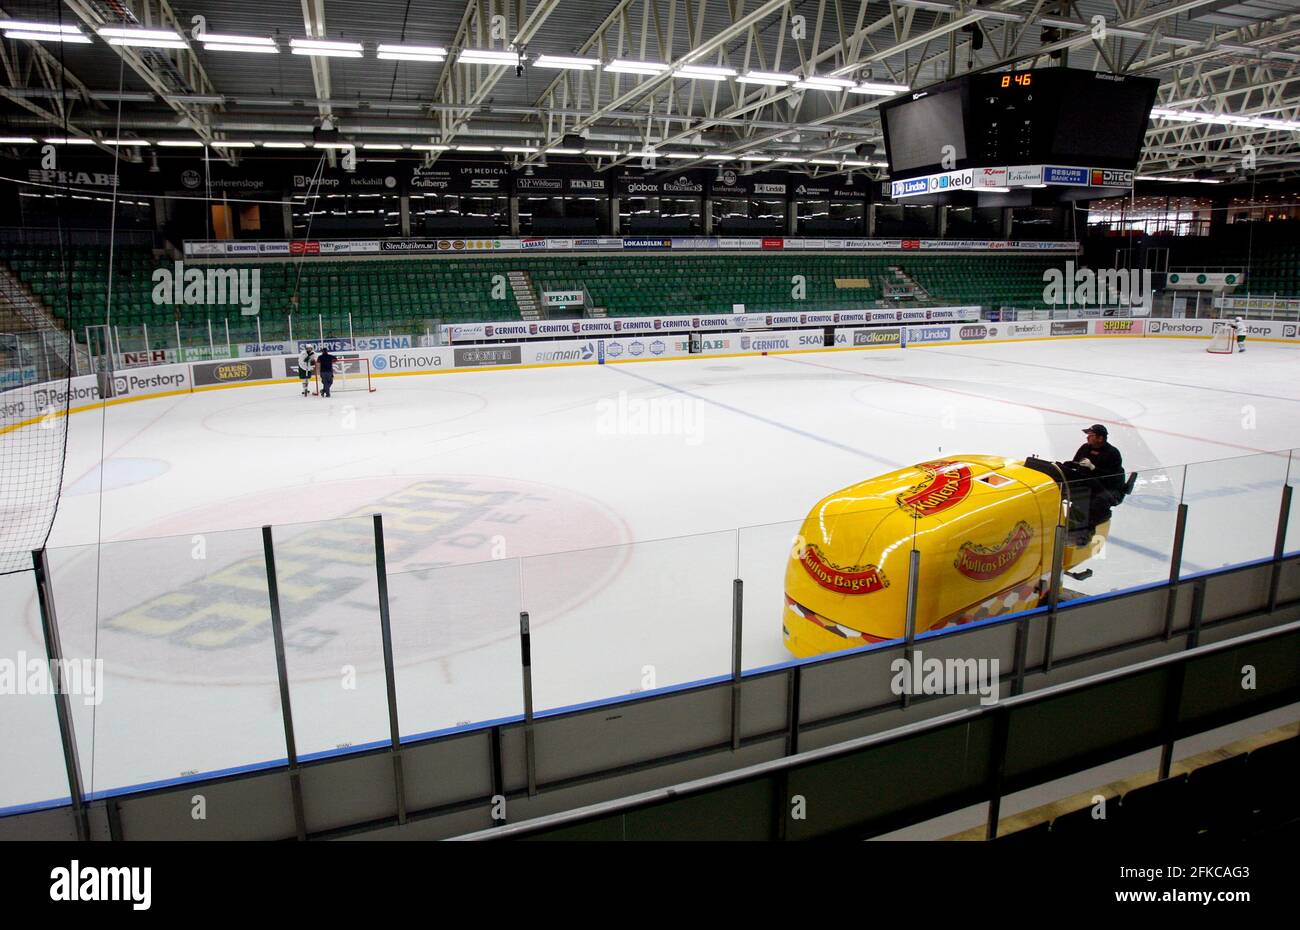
(765, 82)
(233, 145)
(284, 145)
(402, 56)
(430, 148)
(481, 56)
(564, 151)
(879, 89)
(566, 62)
(333, 145)
(148, 43)
(74, 39)
(223, 47)
(704, 72)
(430, 50)
(678, 156)
(755, 158)
(631, 66)
(828, 84)
(26, 26)
(475, 148)
(520, 149)
(125, 142)
(110, 32)
(224, 39)
(17, 140)
(719, 157)
(602, 153)
(70, 140)
(326, 53)
(384, 146)
(180, 143)
(823, 161)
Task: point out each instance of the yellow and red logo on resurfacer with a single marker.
(947, 485)
(858, 579)
(984, 563)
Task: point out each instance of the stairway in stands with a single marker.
(21, 312)
(902, 277)
(525, 295)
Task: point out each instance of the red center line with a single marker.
(1041, 409)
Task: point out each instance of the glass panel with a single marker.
(1233, 507)
(29, 725)
(329, 601)
(1139, 544)
(834, 581)
(624, 619)
(456, 645)
(182, 628)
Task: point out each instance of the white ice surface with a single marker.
(557, 491)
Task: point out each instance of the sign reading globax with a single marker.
(985, 530)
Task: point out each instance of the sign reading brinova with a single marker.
(210, 286)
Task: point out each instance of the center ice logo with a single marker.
(1109, 287)
(194, 287)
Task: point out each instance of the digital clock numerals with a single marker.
(1017, 80)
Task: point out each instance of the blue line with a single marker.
(622, 369)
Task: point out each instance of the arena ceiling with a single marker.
(1238, 59)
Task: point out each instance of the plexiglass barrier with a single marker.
(173, 638)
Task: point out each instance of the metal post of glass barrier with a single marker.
(526, 657)
(180, 349)
(229, 354)
(1054, 595)
(147, 347)
(390, 679)
(1175, 569)
(737, 625)
(62, 703)
(258, 322)
(282, 675)
(212, 348)
(913, 578)
(1279, 546)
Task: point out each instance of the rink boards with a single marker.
(24, 406)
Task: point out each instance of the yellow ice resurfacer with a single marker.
(985, 528)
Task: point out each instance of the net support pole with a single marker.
(145, 326)
(258, 323)
(351, 339)
(320, 327)
(282, 676)
(212, 350)
(390, 677)
(291, 329)
(229, 354)
(526, 661)
(62, 704)
(180, 350)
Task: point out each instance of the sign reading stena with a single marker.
(562, 299)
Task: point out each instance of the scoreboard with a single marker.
(1063, 116)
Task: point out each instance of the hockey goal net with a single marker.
(1223, 342)
(351, 373)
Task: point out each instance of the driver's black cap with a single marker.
(1098, 429)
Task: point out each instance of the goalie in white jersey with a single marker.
(306, 364)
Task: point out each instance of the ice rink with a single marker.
(614, 503)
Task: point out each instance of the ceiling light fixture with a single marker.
(319, 48)
(566, 62)
(631, 66)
